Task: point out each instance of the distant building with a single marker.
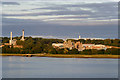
(87, 46)
(12, 41)
(22, 39)
(69, 44)
(99, 47)
(57, 45)
(79, 37)
(93, 46)
(14, 46)
(78, 45)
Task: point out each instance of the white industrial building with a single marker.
(22, 39)
(59, 45)
(13, 41)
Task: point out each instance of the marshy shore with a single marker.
(63, 55)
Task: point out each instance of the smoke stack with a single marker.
(22, 35)
(79, 37)
(11, 36)
(10, 41)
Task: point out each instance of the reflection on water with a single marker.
(43, 67)
(0, 67)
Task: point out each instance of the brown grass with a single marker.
(63, 55)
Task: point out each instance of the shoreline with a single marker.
(63, 55)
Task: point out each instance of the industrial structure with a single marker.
(13, 42)
(22, 39)
(78, 45)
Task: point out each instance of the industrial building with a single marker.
(13, 42)
(78, 45)
(22, 39)
(69, 44)
(57, 45)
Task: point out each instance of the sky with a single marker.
(61, 18)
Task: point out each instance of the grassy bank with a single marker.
(63, 55)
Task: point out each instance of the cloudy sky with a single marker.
(61, 18)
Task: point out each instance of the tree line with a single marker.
(109, 42)
(42, 45)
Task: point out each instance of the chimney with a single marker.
(79, 37)
(11, 36)
(10, 41)
(22, 35)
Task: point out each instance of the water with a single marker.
(43, 67)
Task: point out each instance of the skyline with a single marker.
(97, 19)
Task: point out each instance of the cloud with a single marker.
(10, 3)
(62, 17)
(36, 27)
(43, 17)
(92, 1)
(93, 9)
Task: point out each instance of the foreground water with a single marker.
(43, 67)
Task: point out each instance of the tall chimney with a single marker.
(79, 37)
(10, 35)
(10, 41)
(22, 35)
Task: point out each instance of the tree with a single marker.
(65, 51)
(88, 41)
(82, 40)
(73, 51)
(107, 41)
(52, 51)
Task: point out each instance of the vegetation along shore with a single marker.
(37, 46)
(64, 55)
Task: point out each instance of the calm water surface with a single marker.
(43, 67)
